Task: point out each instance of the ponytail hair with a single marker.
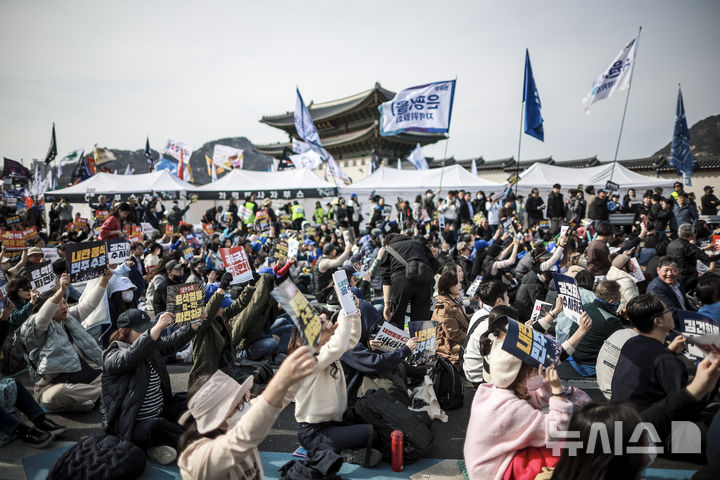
(497, 322)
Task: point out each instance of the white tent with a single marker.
(392, 182)
(111, 184)
(543, 176)
(283, 185)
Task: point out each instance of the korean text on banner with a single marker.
(568, 290)
(425, 108)
(540, 309)
(185, 301)
(474, 286)
(85, 260)
(13, 241)
(531, 346)
(42, 277)
(426, 334)
(236, 262)
(118, 251)
(280, 251)
(293, 248)
(391, 337)
(300, 311)
(342, 288)
(693, 323)
(51, 254)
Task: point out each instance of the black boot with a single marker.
(46, 425)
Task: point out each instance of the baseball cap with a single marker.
(35, 251)
(707, 187)
(309, 242)
(134, 319)
(356, 258)
(350, 271)
(171, 265)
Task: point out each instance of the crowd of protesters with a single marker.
(471, 265)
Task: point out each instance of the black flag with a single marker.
(52, 151)
(148, 153)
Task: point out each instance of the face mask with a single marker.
(234, 419)
(609, 306)
(127, 296)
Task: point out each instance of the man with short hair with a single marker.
(667, 288)
(491, 293)
(534, 208)
(647, 371)
(598, 208)
(684, 211)
(555, 208)
(597, 253)
(686, 255)
(709, 202)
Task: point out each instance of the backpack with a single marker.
(415, 270)
(102, 457)
(448, 384)
(386, 414)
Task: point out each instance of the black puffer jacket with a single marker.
(125, 377)
(531, 289)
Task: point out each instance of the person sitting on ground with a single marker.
(24, 297)
(252, 328)
(708, 292)
(597, 253)
(516, 426)
(226, 428)
(138, 401)
(647, 371)
(491, 293)
(328, 264)
(667, 288)
(368, 359)
(451, 317)
(321, 400)
(44, 430)
(60, 351)
(602, 311)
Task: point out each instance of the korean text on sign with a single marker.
(185, 301)
(85, 260)
(236, 262)
(568, 290)
(297, 306)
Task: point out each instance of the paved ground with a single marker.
(449, 437)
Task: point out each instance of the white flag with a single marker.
(416, 158)
(307, 159)
(616, 77)
(473, 167)
(128, 170)
(214, 173)
(227, 157)
(399, 167)
(69, 158)
(178, 150)
(333, 169)
(425, 108)
(299, 146)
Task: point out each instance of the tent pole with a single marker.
(627, 98)
(442, 170)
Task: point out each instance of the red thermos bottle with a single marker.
(396, 438)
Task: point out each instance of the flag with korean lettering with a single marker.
(425, 108)
(225, 157)
(614, 78)
(236, 263)
(531, 346)
(182, 153)
(568, 290)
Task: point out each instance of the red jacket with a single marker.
(111, 223)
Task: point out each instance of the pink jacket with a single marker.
(501, 424)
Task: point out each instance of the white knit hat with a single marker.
(504, 367)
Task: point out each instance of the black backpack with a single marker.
(386, 414)
(448, 384)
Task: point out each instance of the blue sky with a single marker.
(112, 73)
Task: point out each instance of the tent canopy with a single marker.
(124, 185)
(391, 181)
(543, 177)
(283, 185)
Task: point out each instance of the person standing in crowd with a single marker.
(687, 255)
(398, 290)
(684, 211)
(555, 208)
(597, 253)
(478, 204)
(318, 213)
(176, 215)
(298, 215)
(598, 209)
(677, 190)
(60, 351)
(355, 213)
(709, 202)
(152, 215)
(112, 226)
(534, 208)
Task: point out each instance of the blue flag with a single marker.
(167, 164)
(531, 97)
(680, 156)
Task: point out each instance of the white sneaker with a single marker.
(162, 454)
(186, 355)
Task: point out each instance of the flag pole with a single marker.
(442, 171)
(627, 99)
(517, 165)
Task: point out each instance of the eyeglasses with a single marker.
(666, 270)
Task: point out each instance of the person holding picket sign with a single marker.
(112, 227)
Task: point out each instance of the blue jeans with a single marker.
(26, 404)
(283, 328)
(261, 349)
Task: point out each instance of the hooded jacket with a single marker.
(452, 328)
